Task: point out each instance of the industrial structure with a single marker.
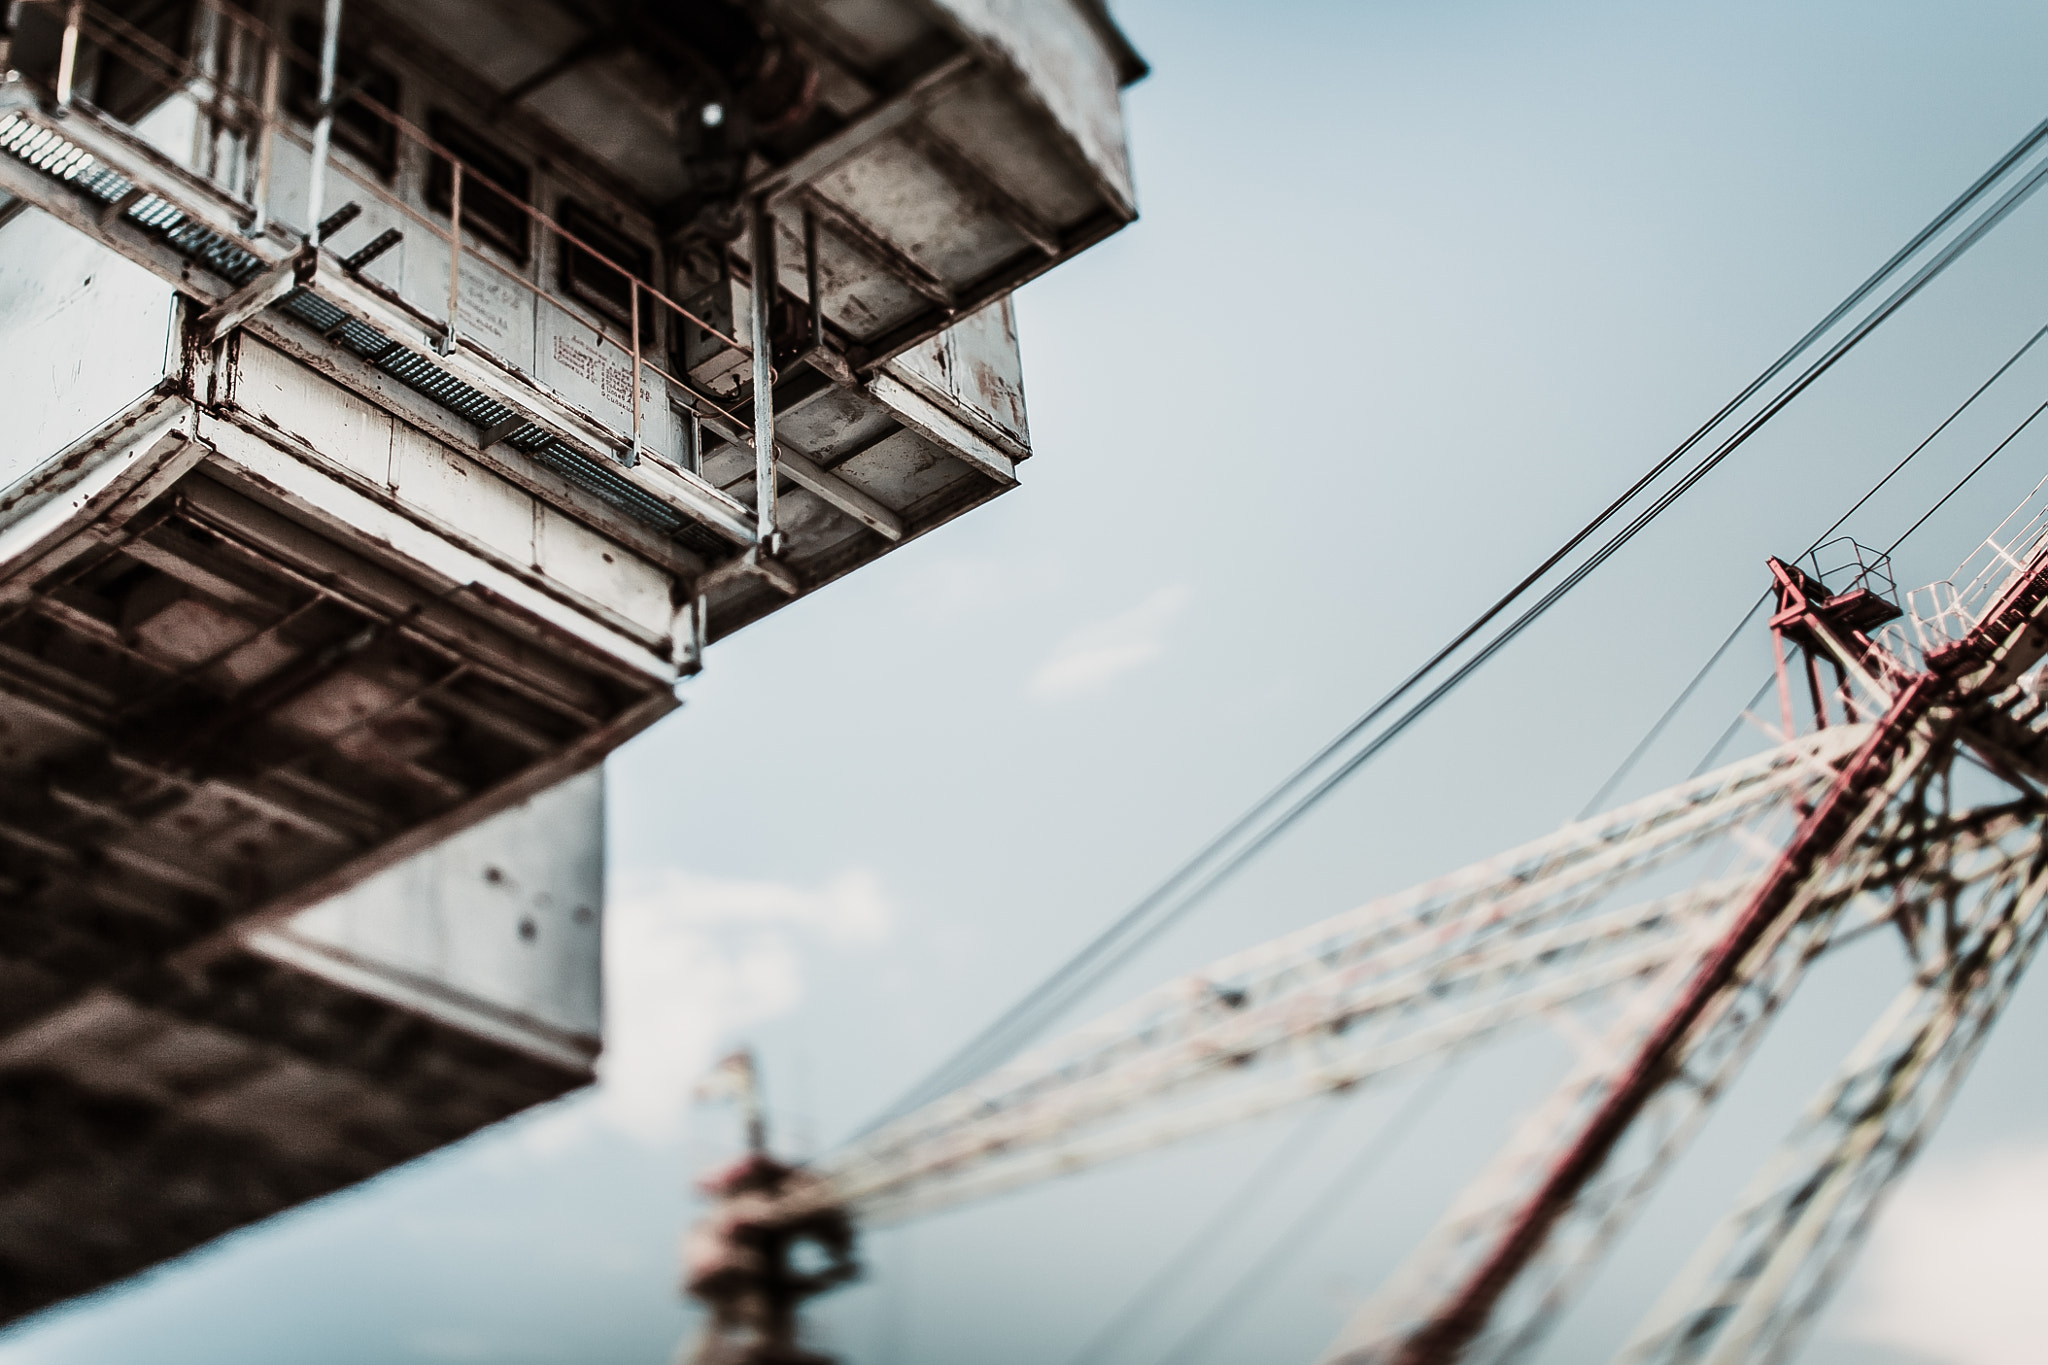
(396, 411)
(1910, 799)
(408, 399)
(1903, 794)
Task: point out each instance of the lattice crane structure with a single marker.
(1905, 797)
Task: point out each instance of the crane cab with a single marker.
(392, 395)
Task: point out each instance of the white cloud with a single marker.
(1095, 655)
(1953, 1270)
(691, 962)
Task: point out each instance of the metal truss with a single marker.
(1883, 846)
(1661, 940)
(1872, 886)
(1332, 1007)
(1770, 1265)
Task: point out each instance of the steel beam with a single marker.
(294, 272)
(868, 127)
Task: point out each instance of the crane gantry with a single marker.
(1661, 938)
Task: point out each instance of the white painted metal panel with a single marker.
(83, 333)
(350, 181)
(596, 375)
(975, 367)
(312, 410)
(581, 560)
(1067, 69)
(495, 313)
(431, 478)
(455, 495)
(496, 931)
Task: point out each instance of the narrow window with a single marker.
(496, 186)
(126, 89)
(358, 128)
(590, 280)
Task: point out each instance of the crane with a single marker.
(1904, 794)
(1907, 794)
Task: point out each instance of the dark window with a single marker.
(496, 186)
(357, 127)
(128, 90)
(590, 280)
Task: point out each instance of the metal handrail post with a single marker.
(454, 256)
(323, 131)
(817, 299)
(266, 138)
(10, 20)
(67, 55)
(761, 314)
(633, 299)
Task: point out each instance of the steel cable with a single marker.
(1736, 725)
(1210, 1328)
(1650, 737)
(1244, 1291)
(1252, 832)
(1282, 1159)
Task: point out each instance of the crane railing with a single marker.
(1940, 614)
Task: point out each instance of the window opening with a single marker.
(358, 129)
(693, 440)
(589, 280)
(495, 189)
(128, 90)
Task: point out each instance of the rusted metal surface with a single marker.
(739, 1263)
(1860, 824)
(876, 462)
(215, 710)
(211, 715)
(416, 420)
(945, 157)
(494, 931)
(146, 1118)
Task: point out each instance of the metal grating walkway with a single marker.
(47, 151)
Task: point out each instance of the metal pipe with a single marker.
(454, 255)
(633, 298)
(10, 20)
(761, 314)
(811, 278)
(323, 131)
(208, 49)
(67, 55)
(266, 138)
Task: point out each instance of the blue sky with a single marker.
(1416, 286)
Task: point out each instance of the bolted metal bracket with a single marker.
(755, 562)
(830, 363)
(688, 635)
(294, 272)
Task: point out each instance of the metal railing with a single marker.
(236, 76)
(1942, 613)
(1845, 564)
